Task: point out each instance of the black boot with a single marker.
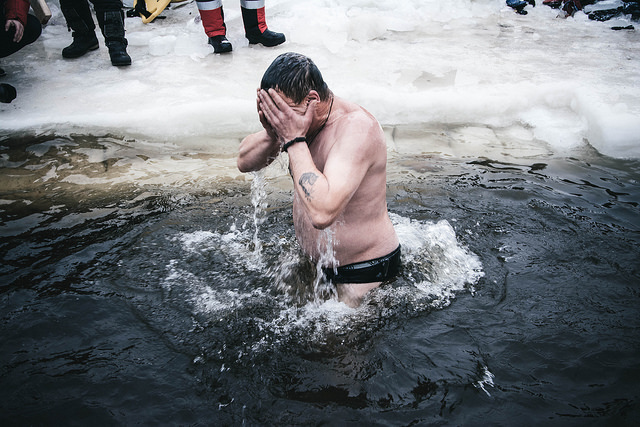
(256, 29)
(113, 30)
(7, 93)
(118, 53)
(84, 36)
(632, 8)
(268, 38)
(220, 44)
(82, 43)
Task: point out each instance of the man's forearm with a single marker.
(257, 151)
(312, 187)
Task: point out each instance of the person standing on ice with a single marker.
(111, 21)
(338, 163)
(253, 17)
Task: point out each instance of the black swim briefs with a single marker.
(375, 270)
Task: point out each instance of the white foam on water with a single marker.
(203, 296)
(442, 267)
(451, 266)
(472, 62)
(235, 243)
(485, 381)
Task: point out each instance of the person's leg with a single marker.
(212, 15)
(111, 21)
(32, 31)
(255, 25)
(78, 16)
(352, 294)
(7, 93)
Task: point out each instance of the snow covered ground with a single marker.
(417, 63)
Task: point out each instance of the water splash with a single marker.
(434, 261)
(287, 304)
(485, 381)
(323, 290)
(436, 268)
(259, 202)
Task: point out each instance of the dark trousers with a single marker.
(32, 31)
(81, 7)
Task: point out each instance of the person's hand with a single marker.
(18, 29)
(265, 124)
(283, 120)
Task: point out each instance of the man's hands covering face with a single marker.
(280, 120)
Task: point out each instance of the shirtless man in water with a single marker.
(338, 160)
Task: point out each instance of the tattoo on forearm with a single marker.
(306, 183)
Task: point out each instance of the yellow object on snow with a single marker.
(151, 9)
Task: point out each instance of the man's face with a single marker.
(300, 108)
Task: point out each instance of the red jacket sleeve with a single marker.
(17, 9)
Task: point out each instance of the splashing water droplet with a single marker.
(259, 201)
(322, 289)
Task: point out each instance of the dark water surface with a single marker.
(133, 293)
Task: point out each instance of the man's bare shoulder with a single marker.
(358, 126)
(354, 112)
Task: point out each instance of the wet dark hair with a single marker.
(294, 75)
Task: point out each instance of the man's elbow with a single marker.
(245, 165)
(242, 165)
(322, 220)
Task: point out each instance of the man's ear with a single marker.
(313, 96)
